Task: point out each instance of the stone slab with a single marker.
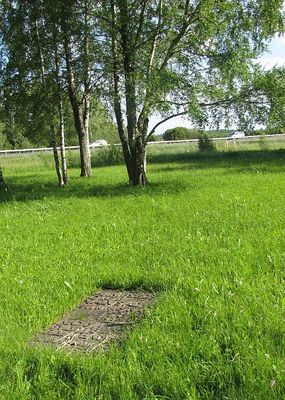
(99, 320)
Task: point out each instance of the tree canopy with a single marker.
(141, 57)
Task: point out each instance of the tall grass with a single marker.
(207, 235)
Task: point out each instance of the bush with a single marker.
(105, 156)
(205, 143)
(153, 138)
(4, 144)
(181, 133)
(267, 131)
(16, 140)
(263, 143)
(111, 155)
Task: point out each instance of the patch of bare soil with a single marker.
(100, 319)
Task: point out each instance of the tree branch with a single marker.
(162, 122)
(188, 20)
(139, 30)
(150, 62)
(203, 105)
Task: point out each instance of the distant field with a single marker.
(207, 234)
(262, 143)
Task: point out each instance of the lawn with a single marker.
(207, 234)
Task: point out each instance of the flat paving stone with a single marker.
(99, 320)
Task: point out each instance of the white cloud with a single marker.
(269, 62)
(275, 56)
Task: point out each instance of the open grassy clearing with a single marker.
(208, 234)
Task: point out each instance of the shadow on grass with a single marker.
(140, 284)
(235, 162)
(37, 188)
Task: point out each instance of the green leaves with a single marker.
(160, 56)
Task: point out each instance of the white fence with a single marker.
(168, 142)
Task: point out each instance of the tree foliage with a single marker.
(180, 58)
(205, 144)
(141, 57)
(271, 84)
(181, 133)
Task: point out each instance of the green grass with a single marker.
(207, 234)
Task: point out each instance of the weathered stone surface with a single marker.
(96, 322)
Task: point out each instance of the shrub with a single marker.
(46, 159)
(263, 143)
(4, 144)
(267, 131)
(105, 156)
(178, 133)
(111, 155)
(205, 143)
(276, 131)
(153, 138)
(181, 133)
(73, 159)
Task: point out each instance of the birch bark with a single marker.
(52, 129)
(61, 118)
(81, 109)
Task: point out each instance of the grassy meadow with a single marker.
(207, 234)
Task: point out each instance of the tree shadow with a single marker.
(40, 187)
(233, 162)
(37, 189)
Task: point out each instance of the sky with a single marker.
(275, 56)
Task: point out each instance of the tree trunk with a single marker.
(62, 144)
(83, 137)
(139, 171)
(56, 158)
(81, 119)
(60, 114)
(118, 97)
(138, 177)
(2, 182)
(61, 181)
(85, 158)
(135, 132)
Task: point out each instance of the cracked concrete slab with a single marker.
(99, 320)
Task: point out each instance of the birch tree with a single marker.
(36, 18)
(31, 80)
(176, 58)
(54, 45)
(76, 34)
(83, 69)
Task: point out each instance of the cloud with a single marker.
(269, 62)
(275, 56)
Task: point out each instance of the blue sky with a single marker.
(274, 56)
